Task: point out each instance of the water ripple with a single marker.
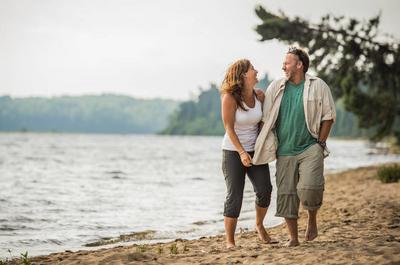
(93, 187)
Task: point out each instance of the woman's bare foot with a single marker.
(230, 245)
(311, 232)
(263, 235)
(292, 243)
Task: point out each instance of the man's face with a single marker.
(291, 65)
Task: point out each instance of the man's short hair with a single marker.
(302, 55)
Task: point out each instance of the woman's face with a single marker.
(250, 76)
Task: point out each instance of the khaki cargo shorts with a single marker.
(300, 178)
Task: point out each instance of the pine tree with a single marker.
(360, 65)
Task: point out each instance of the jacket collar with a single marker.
(284, 80)
(310, 77)
(307, 77)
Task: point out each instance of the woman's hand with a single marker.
(245, 158)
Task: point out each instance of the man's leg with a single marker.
(312, 230)
(292, 227)
(287, 200)
(311, 186)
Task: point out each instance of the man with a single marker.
(298, 114)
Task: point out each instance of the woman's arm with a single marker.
(228, 117)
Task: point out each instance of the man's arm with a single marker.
(328, 104)
(328, 113)
(260, 95)
(324, 131)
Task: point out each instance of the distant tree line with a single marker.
(203, 116)
(85, 114)
(124, 114)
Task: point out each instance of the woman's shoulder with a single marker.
(227, 96)
(228, 99)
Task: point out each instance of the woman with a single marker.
(241, 115)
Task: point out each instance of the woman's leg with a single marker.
(260, 215)
(234, 173)
(260, 178)
(230, 227)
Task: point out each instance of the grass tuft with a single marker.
(173, 249)
(25, 259)
(389, 174)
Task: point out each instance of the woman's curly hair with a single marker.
(234, 81)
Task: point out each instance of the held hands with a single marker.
(245, 158)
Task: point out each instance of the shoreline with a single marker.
(344, 138)
(359, 223)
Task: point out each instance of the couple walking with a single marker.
(289, 123)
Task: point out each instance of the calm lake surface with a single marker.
(64, 191)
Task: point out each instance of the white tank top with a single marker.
(246, 127)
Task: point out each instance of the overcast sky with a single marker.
(145, 48)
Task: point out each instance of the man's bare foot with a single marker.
(311, 232)
(292, 243)
(263, 235)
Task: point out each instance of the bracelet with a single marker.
(244, 151)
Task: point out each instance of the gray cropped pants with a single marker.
(234, 173)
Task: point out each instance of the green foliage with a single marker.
(361, 67)
(173, 249)
(141, 248)
(201, 117)
(25, 259)
(388, 174)
(88, 114)
(346, 124)
(198, 118)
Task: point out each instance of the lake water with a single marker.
(64, 191)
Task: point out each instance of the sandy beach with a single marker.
(359, 223)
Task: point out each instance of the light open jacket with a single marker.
(318, 106)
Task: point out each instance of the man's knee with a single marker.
(287, 205)
(311, 199)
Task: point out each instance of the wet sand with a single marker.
(359, 223)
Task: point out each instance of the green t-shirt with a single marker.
(291, 127)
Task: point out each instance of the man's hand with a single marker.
(260, 94)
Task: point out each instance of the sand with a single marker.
(359, 223)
